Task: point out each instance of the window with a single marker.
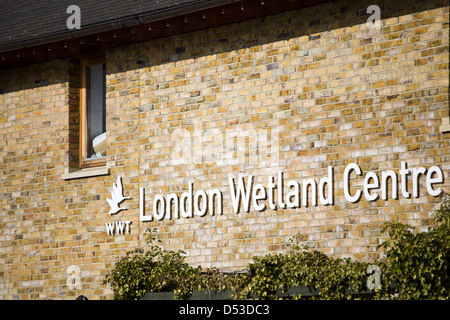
(93, 112)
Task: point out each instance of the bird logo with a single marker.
(117, 197)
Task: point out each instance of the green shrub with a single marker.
(332, 277)
(158, 270)
(155, 270)
(415, 266)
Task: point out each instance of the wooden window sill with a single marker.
(101, 162)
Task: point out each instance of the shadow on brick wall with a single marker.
(312, 22)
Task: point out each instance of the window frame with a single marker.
(86, 62)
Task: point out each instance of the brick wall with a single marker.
(326, 91)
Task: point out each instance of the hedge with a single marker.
(415, 266)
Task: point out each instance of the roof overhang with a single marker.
(142, 27)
